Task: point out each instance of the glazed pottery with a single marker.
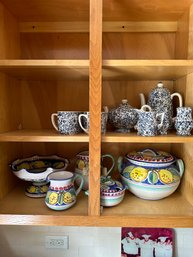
(160, 100)
(84, 121)
(67, 122)
(183, 121)
(150, 174)
(123, 118)
(36, 169)
(148, 124)
(82, 166)
(61, 193)
(111, 191)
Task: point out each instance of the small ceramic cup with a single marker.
(67, 122)
(183, 121)
(84, 121)
(184, 113)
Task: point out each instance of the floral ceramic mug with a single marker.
(67, 122)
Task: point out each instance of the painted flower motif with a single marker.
(67, 198)
(138, 174)
(53, 198)
(166, 176)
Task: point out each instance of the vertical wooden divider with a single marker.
(95, 91)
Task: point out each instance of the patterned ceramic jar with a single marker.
(62, 194)
(150, 174)
(84, 122)
(124, 117)
(82, 166)
(67, 122)
(111, 192)
(148, 123)
(184, 121)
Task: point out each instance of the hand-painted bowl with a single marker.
(36, 169)
(150, 174)
(111, 192)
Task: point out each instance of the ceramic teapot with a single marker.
(160, 100)
(150, 174)
(124, 117)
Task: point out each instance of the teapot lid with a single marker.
(151, 158)
(108, 185)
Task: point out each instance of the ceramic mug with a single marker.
(67, 122)
(84, 121)
(82, 166)
(61, 193)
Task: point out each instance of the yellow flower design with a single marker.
(166, 176)
(53, 198)
(138, 174)
(81, 165)
(44, 188)
(32, 189)
(67, 197)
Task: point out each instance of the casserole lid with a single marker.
(150, 157)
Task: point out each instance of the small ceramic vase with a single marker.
(67, 122)
(82, 166)
(184, 121)
(84, 121)
(62, 194)
(148, 123)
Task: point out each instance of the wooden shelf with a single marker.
(131, 212)
(109, 137)
(146, 69)
(46, 69)
(41, 136)
(132, 137)
(112, 69)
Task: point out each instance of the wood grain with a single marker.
(121, 26)
(74, 10)
(95, 99)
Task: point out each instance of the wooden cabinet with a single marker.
(81, 55)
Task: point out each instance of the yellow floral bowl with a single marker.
(36, 169)
(150, 174)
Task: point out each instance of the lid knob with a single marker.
(124, 101)
(160, 84)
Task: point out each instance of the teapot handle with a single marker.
(180, 164)
(179, 97)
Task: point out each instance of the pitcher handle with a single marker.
(53, 120)
(179, 97)
(113, 162)
(78, 176)
(146, 106)
(80, 122)
(162, 119)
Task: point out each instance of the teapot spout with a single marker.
(142, 99)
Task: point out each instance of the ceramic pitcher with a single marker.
(62, 194)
